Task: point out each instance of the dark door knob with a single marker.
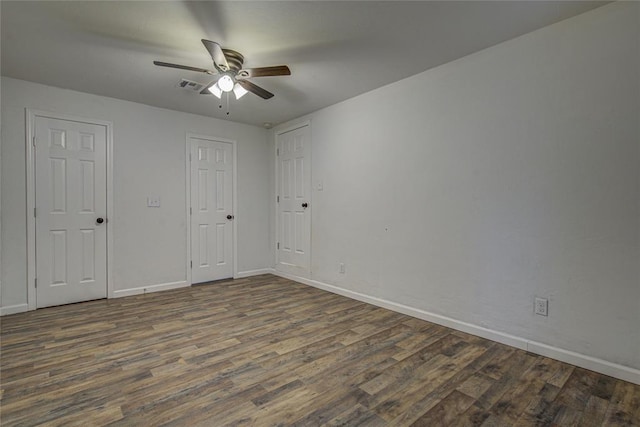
(305, 205)
(100, 220)
(230, 217)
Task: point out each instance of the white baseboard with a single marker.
(150, 288)
(249, 273)
(13, 309)
(598, 365)
(594, 364)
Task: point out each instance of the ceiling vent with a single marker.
(190, 85)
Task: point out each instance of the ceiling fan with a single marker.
(229, 74)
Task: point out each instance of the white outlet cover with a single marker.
(541, 306)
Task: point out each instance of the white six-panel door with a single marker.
(211, 210)
(70, 202)
(294, 200)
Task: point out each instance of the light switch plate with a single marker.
(153, 201)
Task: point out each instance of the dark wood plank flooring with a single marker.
(268, 351)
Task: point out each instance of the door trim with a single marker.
(30, 121)
(277, 133)
(234, 196)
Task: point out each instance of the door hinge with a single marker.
(190, 211)
(33, 140)
(278, 245)
(277, 199)
(36, 282)
(35, 212)
(191, 264)
(277, 151)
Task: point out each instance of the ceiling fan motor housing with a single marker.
(234, 59)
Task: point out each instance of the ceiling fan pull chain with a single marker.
(227, 103)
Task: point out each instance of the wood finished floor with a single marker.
(269, 351)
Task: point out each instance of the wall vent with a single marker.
(190, 85)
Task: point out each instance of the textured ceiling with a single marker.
(336, 50)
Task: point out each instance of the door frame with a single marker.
(31, 115)
(234, 196)
(278, 132)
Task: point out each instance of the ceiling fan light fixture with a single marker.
(225, 83)
(215, 89)
(228, 66)
(239, 91)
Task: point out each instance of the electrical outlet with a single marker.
(342, 267)
(541, 306)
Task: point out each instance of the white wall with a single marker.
(149, 159)
(468, 189)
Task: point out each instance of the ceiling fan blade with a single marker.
(184, 67)
(262, 93)
(219, 60)
(278, 70)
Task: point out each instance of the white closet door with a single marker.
(71, 226)
(294, 200)
(211, 210)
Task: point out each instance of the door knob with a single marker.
(305, 205)
(230, 217)
(100, 220)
